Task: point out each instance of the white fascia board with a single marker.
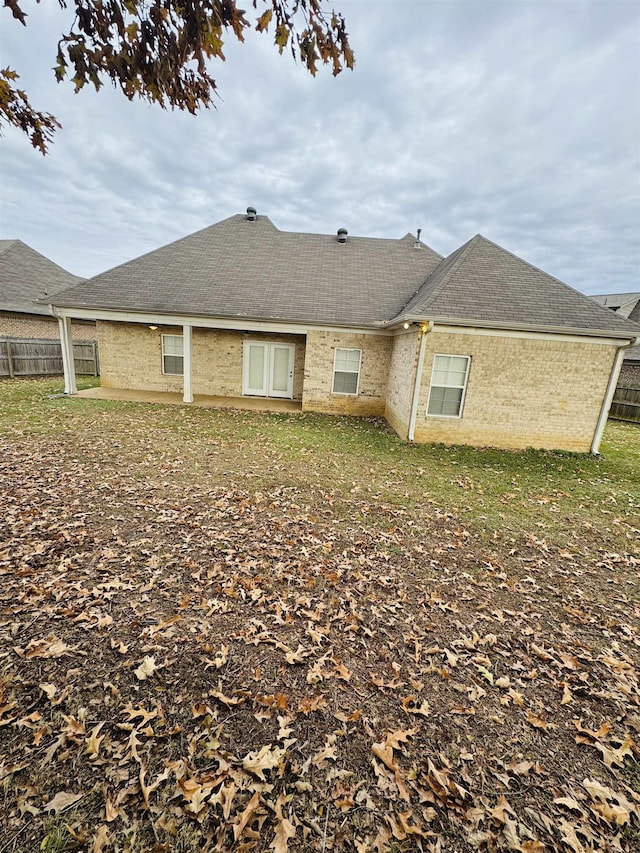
(233, 324)
(536, 336)
(523, 331)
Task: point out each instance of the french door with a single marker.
(267, 369)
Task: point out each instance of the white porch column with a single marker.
(187, 396)
(66, 345)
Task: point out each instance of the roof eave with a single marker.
(149, 314)
(513, 326)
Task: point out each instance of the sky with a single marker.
(516, 119)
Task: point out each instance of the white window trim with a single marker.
(333, 375)
(164, 373)
(463, 387)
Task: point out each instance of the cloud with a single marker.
(517, 119)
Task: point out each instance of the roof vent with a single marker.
(342, 235)
(416, 245)
(252, 214)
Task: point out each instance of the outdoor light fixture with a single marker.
(153, 328)
(405, 326)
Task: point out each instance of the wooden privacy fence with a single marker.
(626, 404)
(40, 357)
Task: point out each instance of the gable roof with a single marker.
(26, 276)
(250, 269)
(243, 269)
(623, 303)
(482, 283)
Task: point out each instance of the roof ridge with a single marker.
(559, 281)
(446, 277)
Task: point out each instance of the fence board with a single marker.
(626, 404)
(43, 357)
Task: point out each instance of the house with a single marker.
(623, 304)
(477, 348)
(626, 305)
(26, 276)
(630, 370)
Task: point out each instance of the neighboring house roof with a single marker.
(623, 303)
(26, 276)
(251, 269)
(483, 283)
(632, 354)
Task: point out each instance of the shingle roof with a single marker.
(632, 354)
(483, 283)
(26, 275)
(238, 268)
(623, 303)
(252, 270)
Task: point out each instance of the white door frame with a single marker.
(267, 389)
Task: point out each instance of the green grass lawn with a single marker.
(558, 495)
(223, 630)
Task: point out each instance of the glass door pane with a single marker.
(280, 378)
(255, 369)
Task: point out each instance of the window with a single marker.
(172, 359)
(346, 371)
(448, 383)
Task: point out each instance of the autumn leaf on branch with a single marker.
(16, 109)
(159, 50)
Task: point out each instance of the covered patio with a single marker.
(167, 398)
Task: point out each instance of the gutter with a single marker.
(608, 397)
(516, 327)
(424, 331)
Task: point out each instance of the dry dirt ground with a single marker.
(260, 661)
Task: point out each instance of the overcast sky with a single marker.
(516, 119)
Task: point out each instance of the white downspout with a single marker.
(68, 366)
(418, 381)
(187, 396)
(608, 397)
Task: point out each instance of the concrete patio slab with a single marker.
(249, 404)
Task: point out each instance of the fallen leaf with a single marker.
(62, 801)
(267, 758)
(146, 668)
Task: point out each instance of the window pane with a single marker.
(449, 370)
(451, 401)
(353, 360)
(341, 359)
(172, 344)
(345, 383)
(435, 401)
(348, 359)
(445, 401)
(173, 364)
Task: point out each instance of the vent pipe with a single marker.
(252, 214)
(416, 245)
(342, 235)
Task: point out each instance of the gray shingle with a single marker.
(26, 276)
(238, 268)
(483, 283)
(242, 269)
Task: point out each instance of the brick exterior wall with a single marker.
(521, 392)
(318, 375)
(402, 373)
(34, 326)
(630, 373)
(131, 357)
